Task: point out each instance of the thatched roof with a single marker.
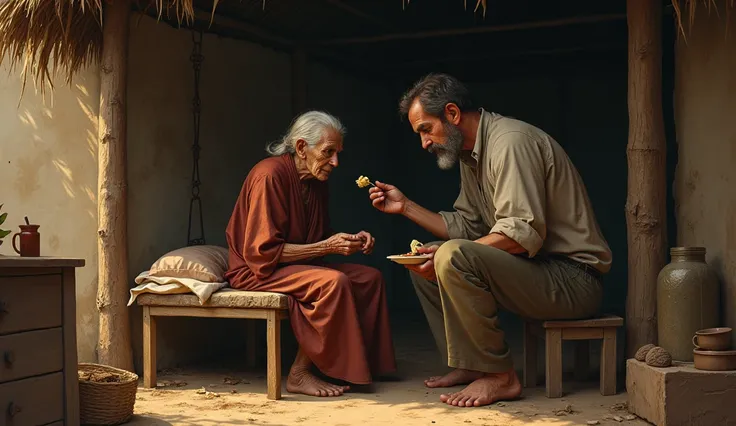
(50, 37)
(691, 6)
(46, 38)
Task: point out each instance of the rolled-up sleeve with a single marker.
(518, 171)
(465, 222)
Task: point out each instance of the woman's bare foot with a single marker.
(453, 378)
(304, 382)
(486, 390)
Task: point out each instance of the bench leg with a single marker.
(582, 360)
(251, 343)
(530, 357)
(608, 362)
(553, 362)
(273, 332)
(149, 348)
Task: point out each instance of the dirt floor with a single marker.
(196, 397)
(397, 403)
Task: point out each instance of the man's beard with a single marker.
(449, 152)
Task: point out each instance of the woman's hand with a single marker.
(426, 269)
(344, 244)
(368, 242)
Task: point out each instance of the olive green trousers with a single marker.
(474, 281)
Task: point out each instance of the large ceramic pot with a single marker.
(688, 300)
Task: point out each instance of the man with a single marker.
(523, 237)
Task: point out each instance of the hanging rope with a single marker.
(196, 58)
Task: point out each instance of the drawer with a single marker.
(35, 401)
(29, 303)
(31, 353)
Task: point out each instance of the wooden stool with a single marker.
(554, 333)
(226, 303)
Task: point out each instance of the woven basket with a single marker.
(106, 403)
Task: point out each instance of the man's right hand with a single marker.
(387, 198)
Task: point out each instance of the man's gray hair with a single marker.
(311, 127)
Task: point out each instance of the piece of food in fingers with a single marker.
(363, 181)
(414, 245)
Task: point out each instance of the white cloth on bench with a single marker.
(173, 285)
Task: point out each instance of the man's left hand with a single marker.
(368, 242)
(426, 269)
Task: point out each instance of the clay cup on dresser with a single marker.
(30, 241)
(713, 339)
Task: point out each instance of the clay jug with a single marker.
(30, 241)
(688, 300)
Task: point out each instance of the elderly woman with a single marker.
(277, 235)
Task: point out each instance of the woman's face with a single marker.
(321, 159)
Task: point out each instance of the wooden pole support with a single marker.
(114, 347)
(647, 190)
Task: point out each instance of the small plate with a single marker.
(409, 260)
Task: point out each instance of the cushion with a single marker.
(204, 263)
(225, 298)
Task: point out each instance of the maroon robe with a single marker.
(338, 312)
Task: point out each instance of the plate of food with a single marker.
(411, 258)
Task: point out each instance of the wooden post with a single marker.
(114, 346)
(298, 81)
(645, 202)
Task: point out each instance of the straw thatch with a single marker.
(691, 5)
(60, 37)
(50, 37)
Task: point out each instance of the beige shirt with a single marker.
(519, 182)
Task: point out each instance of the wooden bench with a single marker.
(272, 307)
(554, 332)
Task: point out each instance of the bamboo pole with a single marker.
(114, 347)
(646, 198)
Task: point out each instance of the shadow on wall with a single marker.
(48, 163)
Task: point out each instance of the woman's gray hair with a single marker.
(311, 127)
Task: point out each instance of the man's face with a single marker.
(322, 158)
(438, 135)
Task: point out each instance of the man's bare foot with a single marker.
(304, 382)
(486, 390)
(453, 378)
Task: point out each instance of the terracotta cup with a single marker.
(713, 339)
(30, 241)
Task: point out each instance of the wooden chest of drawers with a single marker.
(38, 341)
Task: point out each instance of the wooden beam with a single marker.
(475, 30)
(646, 197)
(114, 346)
